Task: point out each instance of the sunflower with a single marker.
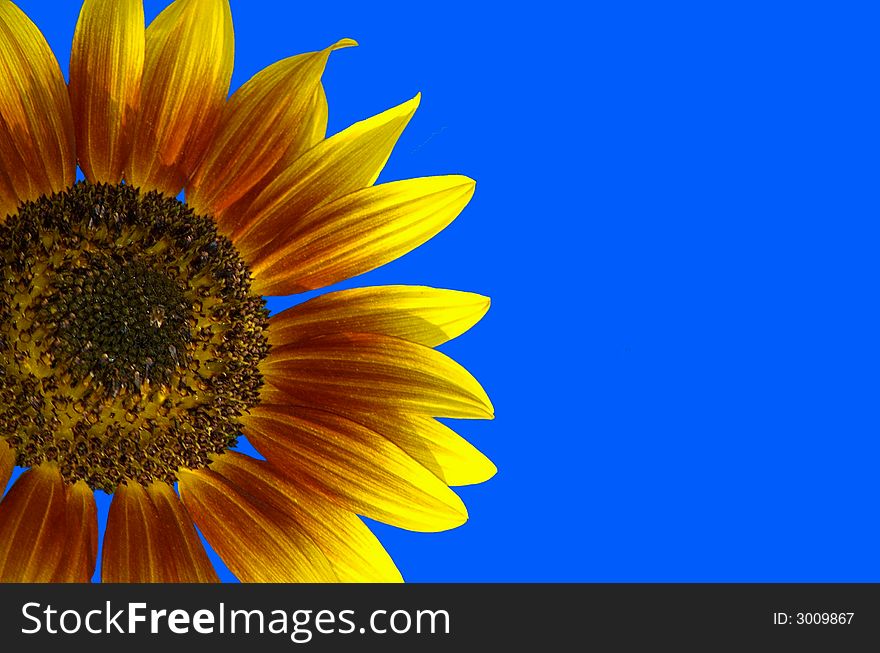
(135, 345)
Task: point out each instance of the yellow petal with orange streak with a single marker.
(359, 232)
(256, 540)
(265, 122)
(312, 131)
(37, 152)
(353, 551)
(428, 316)
(436, 446)
(341, 164)
(106, 66)
(315, 127)
(187, 70)
(353, 466)
(360, 371)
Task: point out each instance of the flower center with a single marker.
(129, 336)
(121, 322)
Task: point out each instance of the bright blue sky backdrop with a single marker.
(676, 219)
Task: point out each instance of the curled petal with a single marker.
(345, 162)
(267, 121)
(314, 129)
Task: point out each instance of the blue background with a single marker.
(676, 219)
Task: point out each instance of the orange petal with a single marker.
(265, 122)
(150, 539)
(363, 371)
(257, 541)
(106, 65)
(8, 197)
(345, 162)
(184, 556)
(354, 466)
(33, 526)
(37, 154)
(353, 551)
(130, 551)
(187, 70)
(77, 564)
(428, 316)
(7, 464)
(269, 394)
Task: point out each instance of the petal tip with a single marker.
(491, 470)
(461, 516)
(465, 183)
(343, 43)
(488, 410)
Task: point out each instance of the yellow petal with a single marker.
(312, 131)
(354, 466)
(359, 232)
(436, 446)
(353, 551)
(315, 127)
(7, 464)
(77, 564)
(187, 70)
(428, 316)
(37, 153)
(348, 161)
(258, 542)
(265, 122)
(33, 526)
(374, 372)
(106, 65)
(150, 539)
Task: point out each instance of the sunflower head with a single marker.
(129, 337)
(135, 345)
